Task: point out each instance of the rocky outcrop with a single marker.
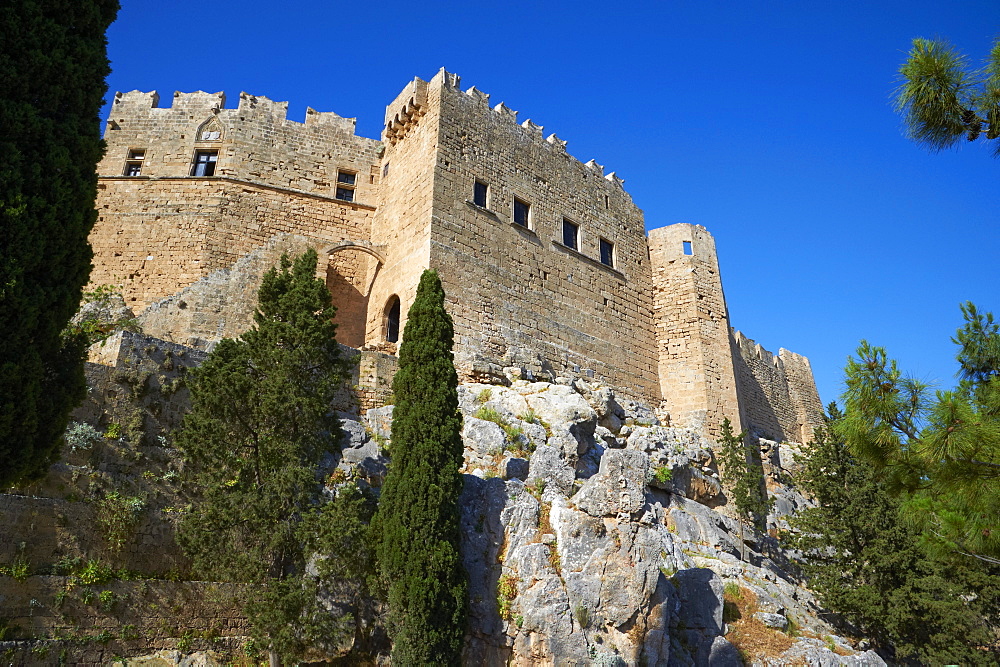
(593, 535)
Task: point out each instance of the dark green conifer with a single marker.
(867, 565)
(417, 525)
(744, 474)
(53, 62)
(261, 421)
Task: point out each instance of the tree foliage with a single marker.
(940, 453)
(868, 565)
(261, 421)
(417, 525)
(942, 99)
(744, 474)
(52, 69)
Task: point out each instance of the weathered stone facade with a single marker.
(545, 260)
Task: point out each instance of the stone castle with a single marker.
(545, 260)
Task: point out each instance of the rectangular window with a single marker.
(204, 163)
(687, 248)
(133, 164)
(345, 185)
(570, 234)
(480, 193)
(385, 170)
(522, 212)
(607, 253)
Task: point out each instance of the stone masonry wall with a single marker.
(255, 142)
(777, 393)
(692, 329)
(163, 229)
(401, 227)
(155, 237)
(222, 304)
(519, 297)
(76, 628)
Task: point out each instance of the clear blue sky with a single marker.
(769, 123)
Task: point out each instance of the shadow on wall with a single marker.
(759, 416)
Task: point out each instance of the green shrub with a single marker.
(114, 431)
(484, 395)
(506, 592)
(117, 517)
(94, 573)
(81, 436)
(582, 616)
(490, 415)
(108, 600)
(663, 474)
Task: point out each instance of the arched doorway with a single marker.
(391, 327)
(349, 278)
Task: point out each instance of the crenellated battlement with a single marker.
(404, 112)
(750, 349)
(200, 103)
(529, 129)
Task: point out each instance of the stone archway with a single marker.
(351, 270)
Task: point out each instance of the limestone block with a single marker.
(618, 487)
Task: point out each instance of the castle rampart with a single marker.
(544, 258)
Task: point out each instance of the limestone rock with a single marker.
(618, 487)
(485, 438)
(106, 311)
(380, 421)
(772, 620)
(547, 464)
(514, 468)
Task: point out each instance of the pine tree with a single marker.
(867, 564)
(744, 474)
(417, 525)
(53, 63)
(943, 101)
(261, 420)
(940, 454)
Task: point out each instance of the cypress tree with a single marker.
(417, 525)
(52, 69)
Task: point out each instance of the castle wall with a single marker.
(158, 236)
(162, 230)
(654, 324)
(519, 297)
(692, 329)
(777, 393)
(401, 226)
(255, 142)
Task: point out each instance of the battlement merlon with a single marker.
(200, 104)
(409, 105)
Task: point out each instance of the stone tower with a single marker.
(696, 373)
(543, 258)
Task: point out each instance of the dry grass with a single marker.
(752, 638)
